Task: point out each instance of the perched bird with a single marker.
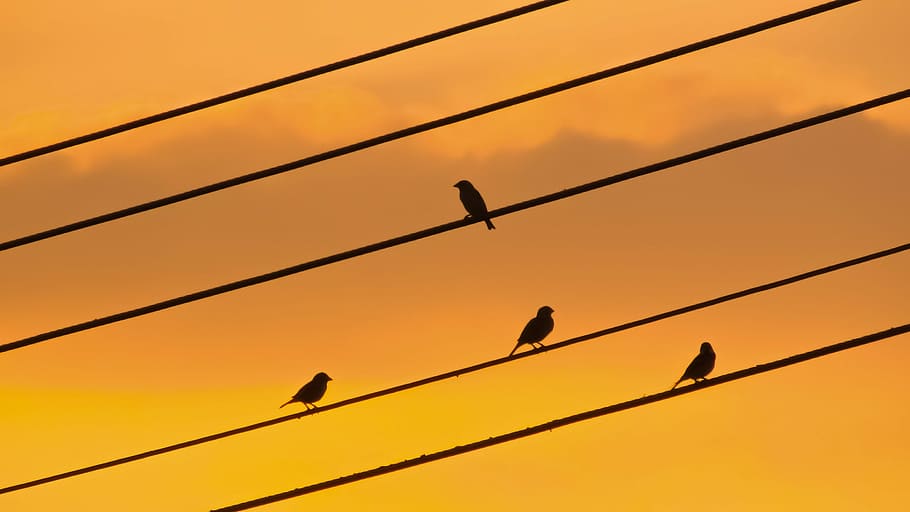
(311, 392)
(473, 202)
(701, 366)
(537, 329)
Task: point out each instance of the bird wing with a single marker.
(531, 332)
(481, 204)
(305, 391)
(700, 366)
(473, 202)
(692, 369)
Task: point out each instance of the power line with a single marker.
(568, 420)
(280, 82)
(417, 235)
(420, 128)
(461, 371)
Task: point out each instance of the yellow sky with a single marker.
(826, 435)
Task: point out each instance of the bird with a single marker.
(311, 392)
(701, 366)
(473, 202)
(536, 329)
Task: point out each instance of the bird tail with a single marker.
(677, 382)
(289, 401)
(489, 224)
(514, 349)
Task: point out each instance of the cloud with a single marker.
(816, 197)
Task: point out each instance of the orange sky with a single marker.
(827, 435)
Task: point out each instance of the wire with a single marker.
(280, 82)
(420, 128)
(462, 371)
(568, 420)
(417, 235)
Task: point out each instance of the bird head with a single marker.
(322, 376)
(463, 184)
(706, 348)
(545, 311)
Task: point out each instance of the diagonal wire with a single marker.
(568, 420)
(420, 128)
(417, 235)
(463, 371)
(280, 82)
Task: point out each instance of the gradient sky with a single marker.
(826, 435)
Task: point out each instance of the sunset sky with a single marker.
(830, 435)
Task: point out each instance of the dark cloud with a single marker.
(819, 196)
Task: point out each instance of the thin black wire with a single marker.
(420, 128)
(462, 371)
(280, 82)
(417, 235)
(568, 420)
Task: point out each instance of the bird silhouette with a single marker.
(701, 366)
(311, 392)
(536, 329)
(473, 202)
